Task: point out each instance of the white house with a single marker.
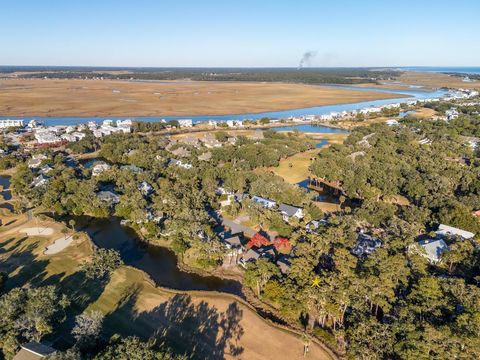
(391, 122)
(450, 231)
(289, 211)
(185, 123)
(99, 168)
(40, 180)
(10, 123)
(36, 160)
(46, 137)
(266, 203)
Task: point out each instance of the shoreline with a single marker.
(267, 314)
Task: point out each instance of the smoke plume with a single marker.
(306, 58)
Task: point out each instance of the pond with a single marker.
(5, 185)
(158, 262)
(311, 128)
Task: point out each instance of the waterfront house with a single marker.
(10, 123)
(252, 255)
(109, 197)
(185, 123)
(266, 203)
(68, 137)
(289, 211)
(234, 241)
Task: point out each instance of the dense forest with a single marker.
(304, 75)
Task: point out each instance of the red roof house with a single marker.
(282, 245)
(258, 241)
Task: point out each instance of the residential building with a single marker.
(36, 161)
(266, 203)
(392, 122)
(433, 249)
(100, 167)
(109, 197)
(181, 164)
(206, 156)
(181, 152)
(185, 123)
(10, 123)
(78, 135)
(365, 245)
(145, 188)
(68, 137)
(40, 180)
(34, 351)
(46, 137)
(289, 211)
(233, 242)
(132, 168)
(252, 255)
(450, 231)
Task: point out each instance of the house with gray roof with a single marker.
(109, 197)
(252, 255)
(433, 249)
(34, 351)
(40, 180)
(289, 211)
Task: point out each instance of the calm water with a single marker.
(310, 128)
(158, 262)
(5, 184)
(449, 69)
(317, 110)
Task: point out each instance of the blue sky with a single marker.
(239, 33)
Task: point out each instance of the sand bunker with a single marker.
(59, 245)
(37, 231)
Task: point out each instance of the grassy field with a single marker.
(212, 324)
(296, 168)
(21, 97)
(427, 79)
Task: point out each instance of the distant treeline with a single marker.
(304, 76)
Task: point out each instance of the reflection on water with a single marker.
(158, 262)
